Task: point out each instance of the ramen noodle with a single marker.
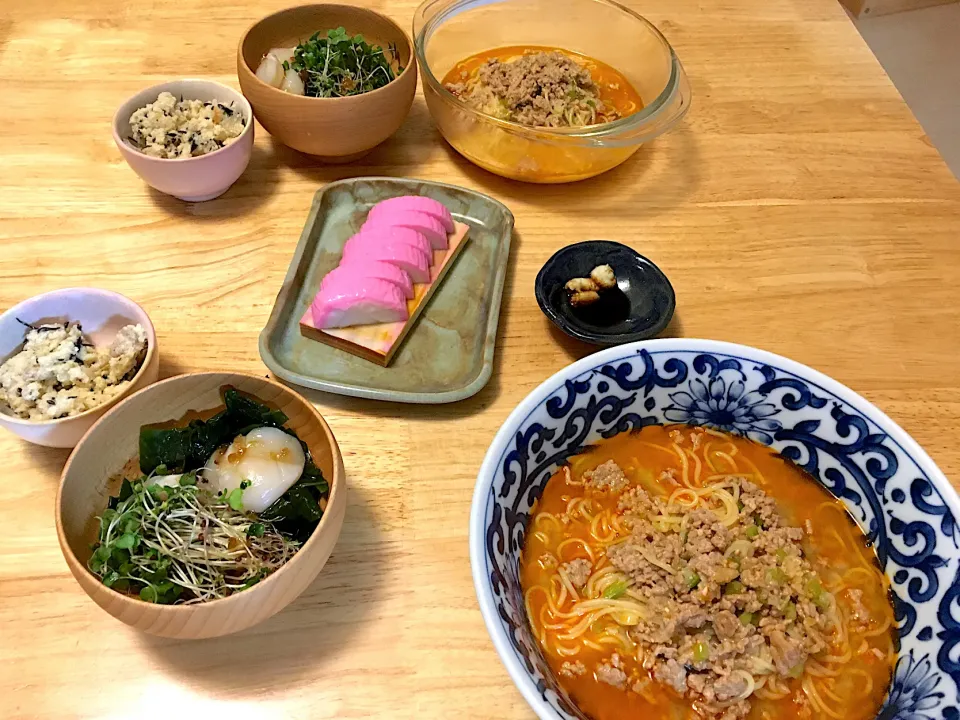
(680, 572)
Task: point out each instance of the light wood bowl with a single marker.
(112, 442)
(332, 129)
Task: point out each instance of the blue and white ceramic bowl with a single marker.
(893, 489)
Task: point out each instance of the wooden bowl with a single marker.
(333, 129)
(112, 442)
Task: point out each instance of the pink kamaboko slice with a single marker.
(389, 234)
(406, 257)
(427, 225)
(414, 203)
(344, 302)
(361, 268)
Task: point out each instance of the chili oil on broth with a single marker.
(572, 521)
(613, 87)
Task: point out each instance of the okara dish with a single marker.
(687, 572)
(59, 373)
(172, 128)
(209, 508)
(336, 65)
(190, 138)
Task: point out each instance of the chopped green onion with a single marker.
(690, 578)
(821, 598)
(739, 549)
(790, 611)
(777, 575)
(781, 554)
(701, 652)
(746, 618)
(615, 590)
(733, 588)
(752, 531)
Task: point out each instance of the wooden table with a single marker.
(799, 208)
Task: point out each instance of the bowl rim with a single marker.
(237, 97)
(589, 132)
(541, 293)
(336, 487)
(478, 505)
(242, 61)
(125, 393)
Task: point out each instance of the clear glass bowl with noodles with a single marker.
(448, 31)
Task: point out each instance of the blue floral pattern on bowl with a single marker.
(891, 487)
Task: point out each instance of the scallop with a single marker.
(270, 460)
(271, 70)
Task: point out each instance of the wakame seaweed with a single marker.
(189, 447)
(295, 513)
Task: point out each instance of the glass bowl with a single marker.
(447, 31)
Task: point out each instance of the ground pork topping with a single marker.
(571, 669)
(607, 476)
(733, 600)
(578, 572)
(611, 672)
(542, 89)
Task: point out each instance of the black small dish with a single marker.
(638, 308)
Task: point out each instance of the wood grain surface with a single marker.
(798, 208)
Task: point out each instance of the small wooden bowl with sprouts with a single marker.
(178, 547)
(333, 127)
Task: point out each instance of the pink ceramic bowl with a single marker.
(194, 179)
(101, 313)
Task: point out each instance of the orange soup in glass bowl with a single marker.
(635, 90)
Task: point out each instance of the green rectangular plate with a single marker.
(448, 356)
